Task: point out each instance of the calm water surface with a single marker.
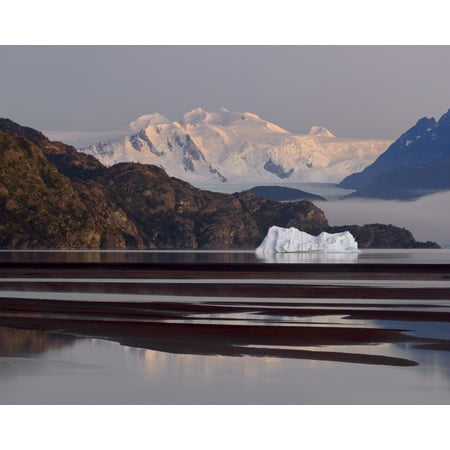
(400, 256)
(93, 371)
(39, 367)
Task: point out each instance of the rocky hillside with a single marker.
(416, 164)
(377, 235)
(54, 197)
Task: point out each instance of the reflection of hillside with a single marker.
(152, 256)
(15, 341)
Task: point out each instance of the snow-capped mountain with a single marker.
(235, 147)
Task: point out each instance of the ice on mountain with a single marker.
(320, 131)
(286, 240)
(195, 116)
(148, 120)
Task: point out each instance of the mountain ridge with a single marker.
(412, 166)
(231, 147)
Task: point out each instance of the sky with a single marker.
(359, 70)
(375, 91)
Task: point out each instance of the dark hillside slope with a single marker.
(415, 164)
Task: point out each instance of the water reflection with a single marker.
(89, 371)
(308, 257)
(185, 332)
(408, 256)
(157, 363)
(270, 380)
(19, 342)
(127, 256)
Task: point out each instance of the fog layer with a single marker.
(428, 218)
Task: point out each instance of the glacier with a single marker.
(292, 240)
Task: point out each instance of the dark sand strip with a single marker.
(137, 325)
(226, 270)
(147, 309)
(356, 358)
(166, 333)
(378, 314)
(226, 340)
(232, 290)
(184, 310)
(23, 342)
(343, 304)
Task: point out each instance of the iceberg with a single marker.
(292, 240)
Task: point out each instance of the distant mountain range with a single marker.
(233, 147)
(54, 197)
(417, 163)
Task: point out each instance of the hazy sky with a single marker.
(355, 91)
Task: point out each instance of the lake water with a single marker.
(40, 366)
(378, 256)
(93, 371)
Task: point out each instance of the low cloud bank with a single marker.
(428, 218)
(80, 139)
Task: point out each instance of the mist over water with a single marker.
(428, 218)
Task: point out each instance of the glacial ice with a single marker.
(289, 240)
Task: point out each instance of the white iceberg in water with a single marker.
(290, 240)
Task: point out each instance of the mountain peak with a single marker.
(15, 129)
(445, 118)
(224, 117)
(414, 165)
(194, 116)
(424, 123)
(148, 119)
(320, 131)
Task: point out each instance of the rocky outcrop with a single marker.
(378, 235)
